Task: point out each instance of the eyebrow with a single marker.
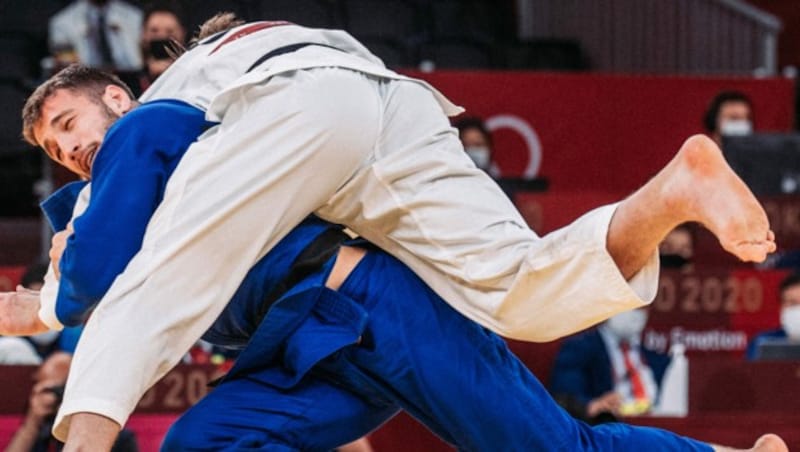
(60, 116)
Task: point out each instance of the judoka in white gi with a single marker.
(329, 130)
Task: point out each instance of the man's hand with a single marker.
(43, 402)
(19, 313)
(608, 402)
(57, 246)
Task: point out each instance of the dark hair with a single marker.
(34, 274)
(789, 281)
(164, 7)
(75, 77)
(473, 122)
(710, 118)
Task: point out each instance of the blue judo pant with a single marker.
(396, 345)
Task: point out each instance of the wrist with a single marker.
(32, 422)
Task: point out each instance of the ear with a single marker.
(117, 99)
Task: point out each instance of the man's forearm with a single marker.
(91, 432)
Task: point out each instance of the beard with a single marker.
(109, 116)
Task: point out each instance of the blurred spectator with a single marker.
(606, 372)
(34, 433)
(789, 317)
(676, 251)
(162, 30)
(99, 33)
(477, 141)
(730, 113)
(16, 351)
(203, 352)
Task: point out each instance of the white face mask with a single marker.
(628, 324)
(46, 338)
(736, 128)
(480, 155)
(790, 321)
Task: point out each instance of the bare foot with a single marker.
(699, 184)
(767, 443)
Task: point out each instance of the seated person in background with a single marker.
(162, 28)
(17, 351)
(478, 144)
(97, 33)
(477, 141)
(34, 433)
(730, 113)
(790, 317)
(605, 372)
(676, 251)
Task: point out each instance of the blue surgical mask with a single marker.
(629, 324)
(790, 321)
(480, 155)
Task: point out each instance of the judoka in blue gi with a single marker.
(320, 366)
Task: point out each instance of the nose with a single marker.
(70, 146)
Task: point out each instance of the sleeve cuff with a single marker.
(47, 301)
(644, 284)
(101, 407)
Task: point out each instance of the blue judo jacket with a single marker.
(129, 176)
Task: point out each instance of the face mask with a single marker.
(736, 128)
(790, 321)
(673, 261)
(627, 324)
(480, 155)
(46, 338)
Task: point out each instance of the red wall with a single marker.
(602, 131)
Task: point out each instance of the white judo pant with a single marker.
(376, 155)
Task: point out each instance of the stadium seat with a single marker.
(394, 54)
(458, 54)
(545, 54)
(481, 20)
(21, 54)
(29, 17)
(395, 20)
(13, 94)
(309, 13)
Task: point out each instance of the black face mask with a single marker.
(674, 261)
(158, 49)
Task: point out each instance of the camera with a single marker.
(58, 392)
